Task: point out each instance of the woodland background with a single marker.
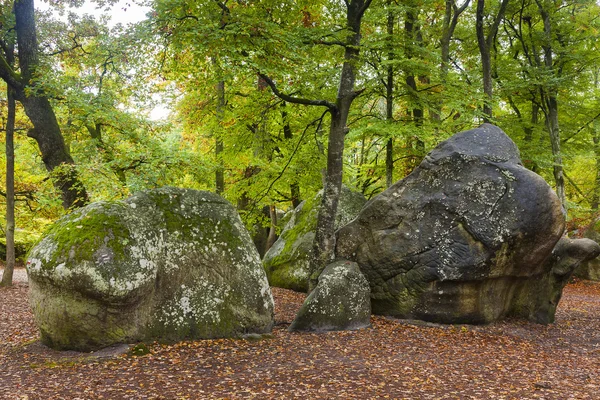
(425, 70)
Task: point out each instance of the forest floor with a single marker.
(393, 359)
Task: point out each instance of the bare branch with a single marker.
(296, 100)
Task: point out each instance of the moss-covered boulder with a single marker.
(287, 261)
(465, 238)
(165, 264)
(340, 301)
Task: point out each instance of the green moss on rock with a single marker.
(287, 262)
(167, 264)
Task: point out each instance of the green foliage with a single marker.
(103, 82)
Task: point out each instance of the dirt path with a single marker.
(394, 359)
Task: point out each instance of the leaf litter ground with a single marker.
(393, 359)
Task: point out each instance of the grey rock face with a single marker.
(455, 240)
(590, 269)
(537, 300)
(287, 262)
(339, 302)
(165, 264)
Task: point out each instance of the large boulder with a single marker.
(339, 302)
(537, 300)
(287, 261)
(166, 264)
(464, 238)
(590, 269)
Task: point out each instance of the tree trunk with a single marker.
(552, 106)
(596, 138)
(450, 21)
(553, 129)
(272, 236)
(485, 45)
(7, 276)
(287, 134)
(596, 194)
(46, 132)
(486, 62)
(324, 244)
(219, 173)
(55, 154)
(389, 102)
(411, 32)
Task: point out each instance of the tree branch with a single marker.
(9, 75)
(580, 129)
(494, 29)
(296, 100)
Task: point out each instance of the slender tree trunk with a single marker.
(324, 244)
(411, 31)
(553, 129)
(485, 45)
(389, 101)
(272, 236)
(219, 173)
(596, 138)
(287, 134)
(552, 106)
(486, 61)
(596, 194)
(535, 112)
(7, 276)
(449, 23)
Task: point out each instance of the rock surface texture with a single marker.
(466, 238)
(165, 264)
(339, 302)
(287, 262)
(591, 268)
(537, 301)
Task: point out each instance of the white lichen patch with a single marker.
(151, 240)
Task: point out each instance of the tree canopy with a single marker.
(272, 101)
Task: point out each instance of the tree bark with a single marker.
(449, 25)
(46, 131)
(411, 33)
(287, 134)
(389, 101)
(596, 138)
(596, 194)
(55, 154)
(219, 173)
(551, 101)
(7, 276)
(324, 244)
(485, 44)
(272, 236)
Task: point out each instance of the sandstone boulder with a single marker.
(536, 300)
(340, 301)
(465, 238)
(590, 269)
(287, 261)
(165, 264)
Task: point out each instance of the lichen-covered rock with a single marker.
(590, 269)
(462, 238)
(287, 261)
(340, 301)
(164, 264)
